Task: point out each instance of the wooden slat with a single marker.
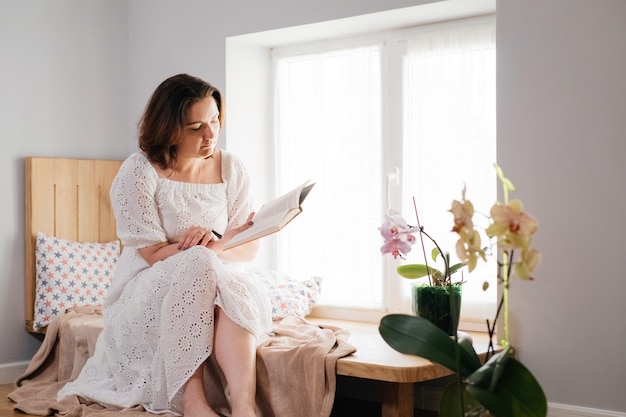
(65, 204)
(104, 175)
(67, 198)
(87, 203)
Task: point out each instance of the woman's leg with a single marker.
(235, 352)
(195, 403)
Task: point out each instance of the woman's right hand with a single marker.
(196, 235)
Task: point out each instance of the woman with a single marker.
(177, 297)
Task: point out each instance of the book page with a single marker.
(273, 215)
(282, 204)
(263, 223)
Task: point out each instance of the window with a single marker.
(377, 122)
(450, 139)
(328, 125)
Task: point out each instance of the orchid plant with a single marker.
(399, 236)
(503, 386)
(513, 228)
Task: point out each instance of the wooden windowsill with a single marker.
(375, 359)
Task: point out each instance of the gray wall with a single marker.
(63, 92)
(76, 75)
(561, 94)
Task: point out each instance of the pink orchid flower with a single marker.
(396, 247)
(397, 234)
(394, 226)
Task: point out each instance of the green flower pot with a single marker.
(433, 304)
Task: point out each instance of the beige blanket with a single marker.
(295, 370)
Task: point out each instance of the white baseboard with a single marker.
(564, 410)
(9, 372)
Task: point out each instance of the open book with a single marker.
(273, 216)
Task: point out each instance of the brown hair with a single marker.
(163, 121)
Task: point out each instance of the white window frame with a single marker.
(249, 128)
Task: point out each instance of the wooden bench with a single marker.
(397, 372)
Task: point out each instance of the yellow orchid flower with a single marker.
(463, 213)
(529, 259)
(511, 225)
(468, 249)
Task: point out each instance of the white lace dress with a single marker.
(158, 321)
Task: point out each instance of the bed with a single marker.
(65, 198)
(68, 218)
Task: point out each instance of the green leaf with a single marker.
(450, 405)
(507, 388)
(413, 271)
(434, 253)
(489, 374)
(455, 268)
(417, 336)
(466, 344)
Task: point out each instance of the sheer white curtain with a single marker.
(328, 128)
(450, 141)
(432, 93)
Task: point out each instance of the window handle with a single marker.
(393, 179)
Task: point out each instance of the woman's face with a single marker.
(201, 131)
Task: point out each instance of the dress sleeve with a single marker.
(240, 202)
(133, 200)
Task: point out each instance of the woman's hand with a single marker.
(245, 252)
(196, 235)
(233, 232)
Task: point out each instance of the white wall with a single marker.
(561, 138)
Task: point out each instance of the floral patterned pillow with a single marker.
(71, 274)
(290, 297)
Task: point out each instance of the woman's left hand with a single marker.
(244, 252)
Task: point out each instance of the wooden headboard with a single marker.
(66, 198)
